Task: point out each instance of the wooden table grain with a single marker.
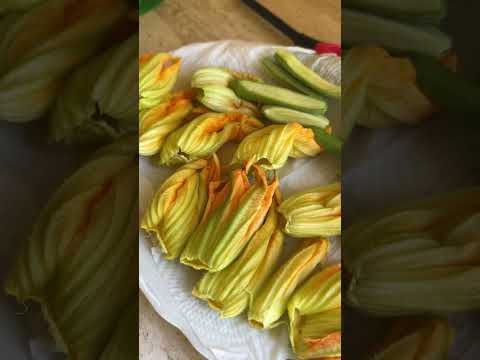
(180, 22)
(173, 24)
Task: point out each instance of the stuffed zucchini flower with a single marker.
(204, 135)
(79, 263)
(421, 258)
(314, 212)
(235, 211)
(178, 205)
(229, 291)
(41, 46)
(315, 313)
(100, 99)
(270, 303)
(162, 119)
(273, 145)
(157, 76)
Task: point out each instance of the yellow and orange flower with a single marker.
(204, 135)
(178, 205)
(230, 291)
(77, 264)
(157, 76)
(42, 45)
(270, 303)
(314, 212)
(157, 122)
(274, 144)
(315, 315)
(235, 211)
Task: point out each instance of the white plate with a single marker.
(167, 285)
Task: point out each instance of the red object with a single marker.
(328, 48)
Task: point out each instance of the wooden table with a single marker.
(180, 22)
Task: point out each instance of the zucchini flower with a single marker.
(314, 212)
(421, 258)
(381, 90)
(418, 339)
(234, 212)
(157, 76)
(272, 145)
(100, 99)
(229, 291)
(159, 121)
(178, 205)
(123, 343)
(17, 5)
(315, 315)
(204, 135)
(79, 263)
(39, 47)
(223, 99)
(270, 303)
(219, 77)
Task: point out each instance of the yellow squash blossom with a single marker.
(380, 90)
(270, 303)
(223, 99)
(235, 211)
(219, 77)
(314, 212)
(422, 257)
(159, 121)
(41, 46)
(99, 101)
(78, 262)
(315, 315)
(411, 339)
(157, 76)
(178, 205)
(274, 144)
(204, 135)
(229, 291)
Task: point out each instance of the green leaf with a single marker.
(147, 5)
(330, 142)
